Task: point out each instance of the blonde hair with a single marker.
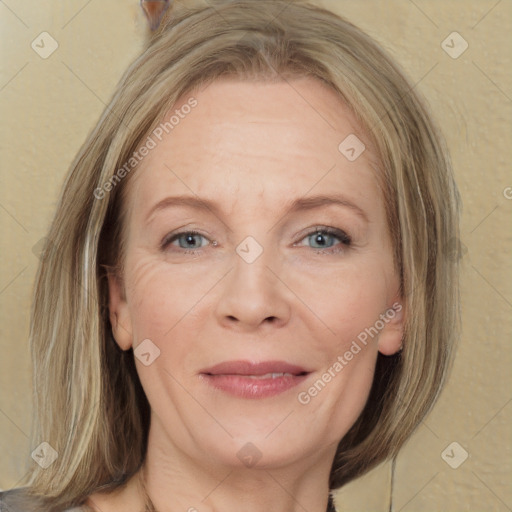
(86, 390)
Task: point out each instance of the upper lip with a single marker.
(250, 368)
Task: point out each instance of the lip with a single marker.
(246, 379)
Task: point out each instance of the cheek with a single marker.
(335, 304)
(345, 301)
(349, 302)
(161, 297)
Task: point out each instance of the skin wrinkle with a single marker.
(218, 303)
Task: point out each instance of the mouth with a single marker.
(245, 379)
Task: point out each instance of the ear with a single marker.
(119, 312)
(391, 336)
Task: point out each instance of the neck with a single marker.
(174, 481)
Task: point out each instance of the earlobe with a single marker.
(391, 336)
(119, 313)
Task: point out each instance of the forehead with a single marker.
(258, 139)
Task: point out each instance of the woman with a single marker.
(245, 298)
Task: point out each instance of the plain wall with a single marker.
(48, 107)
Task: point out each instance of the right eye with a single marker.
(187, 240)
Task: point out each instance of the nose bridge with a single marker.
(251, 266)
(251, 275)
(252, 293)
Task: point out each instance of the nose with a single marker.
(253, 296)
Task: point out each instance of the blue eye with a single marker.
(325, 238)
(322, 239)
(186, 240)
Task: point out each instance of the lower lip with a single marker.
(247, 387)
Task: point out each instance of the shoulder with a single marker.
(18, 500)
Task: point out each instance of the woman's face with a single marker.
(256, 337)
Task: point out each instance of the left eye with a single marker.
(325, 238)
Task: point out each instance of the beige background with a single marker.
(49, 105)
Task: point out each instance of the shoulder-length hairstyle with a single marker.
(88, 402)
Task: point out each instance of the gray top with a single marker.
(17, 500)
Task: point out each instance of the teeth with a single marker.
(270, 376)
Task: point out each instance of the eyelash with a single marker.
(345, 239)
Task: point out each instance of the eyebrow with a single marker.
(297, 205)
